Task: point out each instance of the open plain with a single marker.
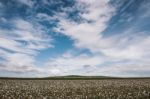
(75, 89)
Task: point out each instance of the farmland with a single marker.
(75, 89)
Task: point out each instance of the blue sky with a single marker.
(74, 37)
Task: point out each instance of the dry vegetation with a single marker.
(75, 89)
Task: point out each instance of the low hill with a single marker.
(74, 77)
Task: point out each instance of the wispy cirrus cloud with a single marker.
(20, 46)
(96, 15)
(24, 38)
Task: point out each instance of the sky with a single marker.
(40, 38)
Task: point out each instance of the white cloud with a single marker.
(68, 63)
(128, 46)
(85, 64)
(17, 62)
(125, 69)
(24, 38)
(29, 3)
(22, 65)
(87, 34)
(23, 25)
(43, 16)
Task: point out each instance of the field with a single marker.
(75, 89)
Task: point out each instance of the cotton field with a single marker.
(75, 89)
